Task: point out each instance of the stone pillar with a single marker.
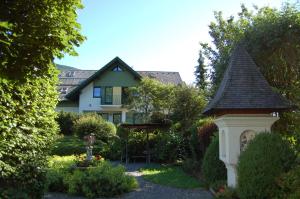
(231, 175)
(231, 127)
(123, 117)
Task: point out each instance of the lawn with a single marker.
(172, 176)
(70, 145)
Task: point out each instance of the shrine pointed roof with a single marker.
(244, 88)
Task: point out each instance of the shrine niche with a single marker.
(244, 106)
(245, 138)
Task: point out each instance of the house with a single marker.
(104, 90)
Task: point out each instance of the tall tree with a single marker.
(272, 38)
(201, 73)
(32, 34)
(149, 97)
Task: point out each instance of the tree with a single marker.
(150, 97)
(32, 34)
(271, 36)
(201, 73)
(187, 106)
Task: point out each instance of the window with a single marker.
(70, 74)
(117, 69)
(104, 116)
(97, 92)
(108, 95)
(63, 90)
(117, 118)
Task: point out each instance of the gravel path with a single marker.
(148, 190)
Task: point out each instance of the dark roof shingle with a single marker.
(244, 87)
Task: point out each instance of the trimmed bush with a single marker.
(213, 168)
(93, 123)
(267, 156)
(289, 184)
(103, 180)
(66, 122)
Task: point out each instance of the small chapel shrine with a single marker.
(244, 105)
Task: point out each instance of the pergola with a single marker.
(144, 128)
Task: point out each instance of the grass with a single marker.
(172, 176)
(61, 161)
(70, 145)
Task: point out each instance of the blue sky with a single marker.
(149, 34)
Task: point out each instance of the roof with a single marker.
(244, 88)
(163, 76)
(75, 80)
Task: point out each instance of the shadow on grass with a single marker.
(172, 176)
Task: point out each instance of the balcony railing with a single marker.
(111, 100)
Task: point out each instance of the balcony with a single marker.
(111, 100)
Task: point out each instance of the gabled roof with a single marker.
(84, 83)
(244, 88)
(78, 77)
(163, 76)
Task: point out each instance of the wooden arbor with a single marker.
(143, 128)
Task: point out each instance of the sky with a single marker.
(149, 35)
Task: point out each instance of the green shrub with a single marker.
(30, 182)
(221, 184)
(69, 145)
(55, 179)
(101, 180)
(93, 123)
(213, 168)
(289, 184)
(191, 166)
(228, 193)
(266, 157)
(28, 88)
(168, 146)
(58, 169)
(206, 129)
(66, 122)
(104, 180)
(72, 145)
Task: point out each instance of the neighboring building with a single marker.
(103, 91)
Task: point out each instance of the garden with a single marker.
(81, 154)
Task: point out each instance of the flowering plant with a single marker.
(81, 161)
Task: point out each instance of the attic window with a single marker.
(63, 90)
(117, 69)
(70, 74)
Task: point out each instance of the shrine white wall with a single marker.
(231, 127)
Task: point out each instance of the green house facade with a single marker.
(104, 91)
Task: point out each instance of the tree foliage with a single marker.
(201, 73)
(150, 97)
(32, 34)
(187, 106)
(272, 38)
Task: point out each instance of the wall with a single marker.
(86, 100)
(67, 106)
(117, 79)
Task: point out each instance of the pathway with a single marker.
(148, 190)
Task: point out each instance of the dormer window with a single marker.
(70, 74)
(117, 69)
(63, 90)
